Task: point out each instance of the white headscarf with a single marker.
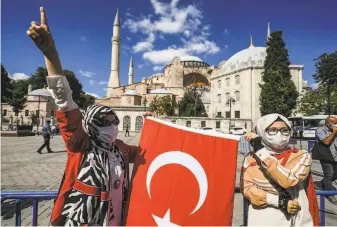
(263, 123)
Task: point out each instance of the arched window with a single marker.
(228, 82)
(126, 122)
(227, 96)
(219, 98)
(5, 113)
(237, 79)
(237, 96)
(52, 113)
(139, 123)
(219, 83)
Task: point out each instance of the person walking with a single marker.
(325, 150)
(127, 134)
(46, 132)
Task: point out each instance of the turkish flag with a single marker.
(187, 179)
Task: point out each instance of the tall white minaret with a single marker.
(268, 31)
(131, 72)
(115, 55)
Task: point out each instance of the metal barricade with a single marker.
(18, 196)
(35, 196)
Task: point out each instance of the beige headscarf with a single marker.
(263, 123)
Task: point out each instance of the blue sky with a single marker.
(152, 31)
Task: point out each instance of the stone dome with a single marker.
(252, 56)
(160, 91)
(40, 92)
(189, 58)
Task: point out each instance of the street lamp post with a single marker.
(229, 103)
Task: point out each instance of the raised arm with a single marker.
(68, 115)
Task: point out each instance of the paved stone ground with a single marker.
(25, 170)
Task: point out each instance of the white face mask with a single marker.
(278, 141)
(108, 134)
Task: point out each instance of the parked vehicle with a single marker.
(305, 126)
(205, 128)
(238, 131)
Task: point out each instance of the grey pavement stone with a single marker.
(25, 170)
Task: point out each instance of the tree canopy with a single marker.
(6, 85)
(278, 91)
(326, 77)
(191, 104)
(18, 98)
(163, 105)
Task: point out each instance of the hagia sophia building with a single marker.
(237, 78)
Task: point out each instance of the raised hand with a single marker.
(40, 34)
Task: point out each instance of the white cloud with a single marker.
(19, 76)
(157, 68)
(83, 38)
(140, 66)
(103, 82)
(226, 46)
(86, 73)
(145, 45)
(92, 94)
(164, 56)
(128, 38)
(225, 31)
(185, 22)
(92, 82)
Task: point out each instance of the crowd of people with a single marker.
(276, 179)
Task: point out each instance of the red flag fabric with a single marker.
(188, 178)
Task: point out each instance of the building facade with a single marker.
(236, 79)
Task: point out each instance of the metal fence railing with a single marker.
(35, 196)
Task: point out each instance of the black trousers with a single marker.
(127, 133)
(45, 144)
(330, 174)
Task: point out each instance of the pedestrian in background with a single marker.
(325, 150)
(46, 131)
(127, 134)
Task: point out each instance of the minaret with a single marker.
(29, 88)
(131, 72)
(115, 55)
(268, 31)
(251, 42)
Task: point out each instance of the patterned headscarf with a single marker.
(93, 118)
(264, 122)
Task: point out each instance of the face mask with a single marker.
(108, 134)
(278, 141)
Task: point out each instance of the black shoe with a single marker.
(332, 199)
(39, 152)
(50, 151)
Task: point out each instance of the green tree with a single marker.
(278, 91)
(38, 79)
(18, 98)
(163, 105)
(6, 85)
(326, 76)
(191, 104)
(314, 102)
(86, 100)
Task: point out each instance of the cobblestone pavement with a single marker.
(22, 169)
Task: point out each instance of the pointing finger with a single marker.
(43, 16)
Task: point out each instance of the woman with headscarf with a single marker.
(276, 179)
(95, 185)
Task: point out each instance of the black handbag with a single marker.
(322, 152)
